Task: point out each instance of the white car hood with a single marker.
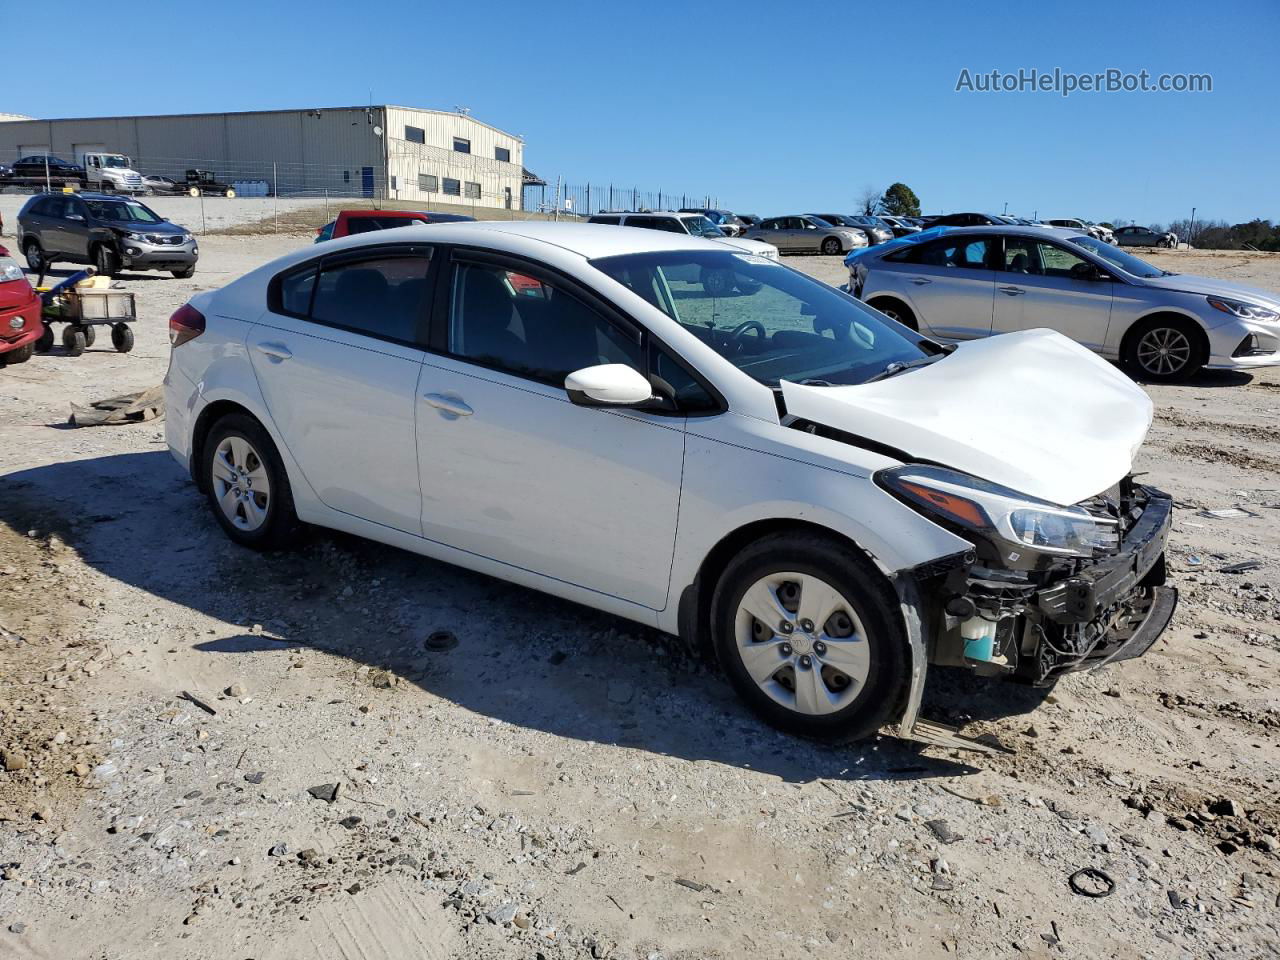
(1031, 410)
(1206, 286)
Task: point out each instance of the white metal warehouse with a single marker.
(398, 153)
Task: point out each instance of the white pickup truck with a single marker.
(110, 173)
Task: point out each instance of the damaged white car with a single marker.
(827, 499)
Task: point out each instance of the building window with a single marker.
(473, 191)
(452, 188)
(502, 153)
(461, 145)
(393, 184)
(428, 183)
(415, 134)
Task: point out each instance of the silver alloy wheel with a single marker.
(1163, 351)
(240, 483)
(802, 643)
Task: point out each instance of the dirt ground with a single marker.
(561, 783)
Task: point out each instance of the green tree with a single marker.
(900, 201)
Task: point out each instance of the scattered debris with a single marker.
(1091, 882)
(441, 641)
(1244, 566)
(328, 792)
(203, 705)
(693, 885)
(127, 408)
(942, 830)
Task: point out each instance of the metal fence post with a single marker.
(275, 196)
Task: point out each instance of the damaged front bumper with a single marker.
(1038, 626)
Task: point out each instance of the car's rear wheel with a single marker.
(895, 310)
(1165, 349)
(247, 486)
(807, 630)
(831, 246)
(35, 257)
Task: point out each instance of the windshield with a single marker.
(866, 221)
(1118, 258)
(122, 211)
(770, 321)
(702, 227)
(819, 222)
(116, 161)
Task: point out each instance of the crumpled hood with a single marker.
(1031, 410)
(1206, 286)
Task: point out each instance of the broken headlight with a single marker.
(995, 511)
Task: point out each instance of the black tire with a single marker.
(122, 337)
(831, 246)
(184, 274)
(1183, 339)
(20, 355)
(868, 595)
(35, 257)
(106, 260)
(90, 334)
(896, 310)
(73, 340)
(46, 341)
(281, 527)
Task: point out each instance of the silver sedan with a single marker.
(962, 283)
(804, 233)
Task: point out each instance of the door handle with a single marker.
(451, 407)
(276, 351)
(1012, 291)
(920, 281)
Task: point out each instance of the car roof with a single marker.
(588, 240)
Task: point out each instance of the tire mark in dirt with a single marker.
(1247, 431)
(1212, 453)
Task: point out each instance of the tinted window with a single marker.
(614, 221)
(529, 327)
(295, 292)
(415, 134)
(461, 145)
(963, 252)
(383, 296)
(502, 153)
(452, 187)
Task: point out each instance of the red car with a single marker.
(363, 221)
(20, 325)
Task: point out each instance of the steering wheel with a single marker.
(735, 335)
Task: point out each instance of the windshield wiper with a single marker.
(897, 367)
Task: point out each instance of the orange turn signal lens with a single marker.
(958, 508)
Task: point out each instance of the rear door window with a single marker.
(383, 296)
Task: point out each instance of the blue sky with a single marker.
(773, 107)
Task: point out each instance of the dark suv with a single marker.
(107, 231)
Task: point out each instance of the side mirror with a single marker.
(76, 217)
(608, 385)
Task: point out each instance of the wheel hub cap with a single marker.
(802, 643)
(240, 483)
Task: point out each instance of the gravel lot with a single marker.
(564, 784)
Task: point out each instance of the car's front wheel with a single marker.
(1165, 350)
(106, 260)
(809, 633)
(247, 485)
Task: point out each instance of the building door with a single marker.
(366, 180)
(506, 192)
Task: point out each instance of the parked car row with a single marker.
(964, 283)
(108, 173)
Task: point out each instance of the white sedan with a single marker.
(824, 498)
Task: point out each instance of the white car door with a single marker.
(513, 471)
(337, 360)
(1044, 284)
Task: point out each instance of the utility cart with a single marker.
(84, 302)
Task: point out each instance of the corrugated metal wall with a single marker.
(296, 151)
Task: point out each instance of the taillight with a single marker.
(187, 323)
